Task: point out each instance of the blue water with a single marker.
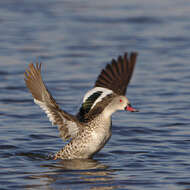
(75, 40)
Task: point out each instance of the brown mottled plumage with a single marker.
(90, 129)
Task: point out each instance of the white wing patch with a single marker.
(104, 91)
(71, 126)
(45, 108)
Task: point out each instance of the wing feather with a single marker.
(117, 75)
(68, 124)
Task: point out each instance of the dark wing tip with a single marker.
(133, 57)
(117, 75)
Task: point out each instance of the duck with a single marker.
(90, 128)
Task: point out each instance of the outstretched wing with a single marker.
(112, 81)
(117, 75)
(67, 124)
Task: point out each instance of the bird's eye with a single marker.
(120, 100)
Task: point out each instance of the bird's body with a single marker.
(90, 139)
(90, 129)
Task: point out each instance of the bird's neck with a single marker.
(108, 111)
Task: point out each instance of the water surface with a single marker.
(75, 40)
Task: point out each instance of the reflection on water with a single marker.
(83, 164)
(68, 172)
